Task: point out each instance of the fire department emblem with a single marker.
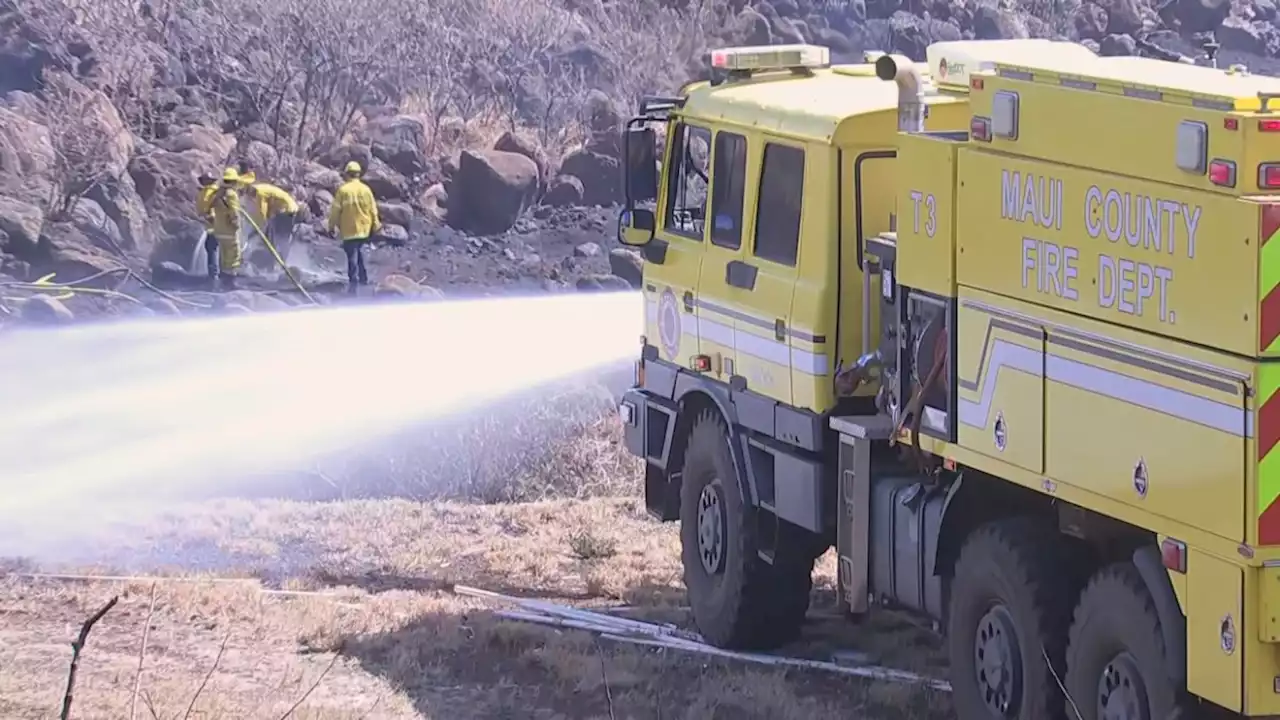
(669, 323)
(942, 68)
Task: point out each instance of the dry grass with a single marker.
(400, 644)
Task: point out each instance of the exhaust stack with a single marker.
(910, 83)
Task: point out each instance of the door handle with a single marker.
(740, 275)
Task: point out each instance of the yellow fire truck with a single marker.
(1003, 327)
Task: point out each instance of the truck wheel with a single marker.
(1011, 600)
(738, 600)
(1115, 658)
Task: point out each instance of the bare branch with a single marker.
(77, 646)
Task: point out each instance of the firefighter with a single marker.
(279, 211)
(225, 213)
(353, 217)
(204, 210)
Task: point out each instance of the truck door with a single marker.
(671, 274)
(869, 196)
(721, 283)
(763, 315)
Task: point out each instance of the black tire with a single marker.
(743, 602)
(1116, 631)
(1014, 582)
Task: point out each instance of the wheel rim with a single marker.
(998, 662)
(1121, 692)
(711, 529)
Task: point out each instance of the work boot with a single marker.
(353, 289)
(228, 282)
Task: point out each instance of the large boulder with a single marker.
(626, 264)
(119, 199)
(69, 252)
(600, 174)
(400, 141)
(20, 227)
(491, 190)
(26, 158)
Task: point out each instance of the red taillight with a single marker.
(1222, 173)
(1269, 176)
(1231, 124)
(980, 129)
(1173, 553)
(1269, 125)
(719, 59)
(702, 363)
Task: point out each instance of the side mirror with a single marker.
(641, 173)
(635, 227)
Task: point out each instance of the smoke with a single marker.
(104, 414)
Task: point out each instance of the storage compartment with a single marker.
(905, 521)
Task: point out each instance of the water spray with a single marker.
(112, 411)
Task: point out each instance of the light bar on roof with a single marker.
(771, 57)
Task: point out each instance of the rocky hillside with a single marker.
(489, 127)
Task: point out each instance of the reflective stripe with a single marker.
(763, 348)
(1231, 419)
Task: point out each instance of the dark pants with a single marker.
(279, 230)
(356, 273)
(228, 281)
(211, 253)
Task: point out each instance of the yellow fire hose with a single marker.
(279, 260)
(67, 290)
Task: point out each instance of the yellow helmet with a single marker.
(230, 175)
(352, 168)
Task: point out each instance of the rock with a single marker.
(22, 224)
(337, 158)
(385, 183)
(587, 249)
(396, 285)
(119, 199)
(255, 301)
(45, 310)
(565, 191)
(259, 155)
(491, 190)
(395, 213)
(600, 175)
(90, 219)
(70, 253)
(1117, 45)
(319, 204)
(599, 283)
(162, 305)
(1089, 21)
(1197, 16)
(434, 202)
(522, 145)
(626, 264)
(322, 178)
(168, 275)
(216, 145)
(994, 23)
(394, 235)
(754, 28)
(1124, 17)
(400, 141)
(1243, 35)
(26, 158)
